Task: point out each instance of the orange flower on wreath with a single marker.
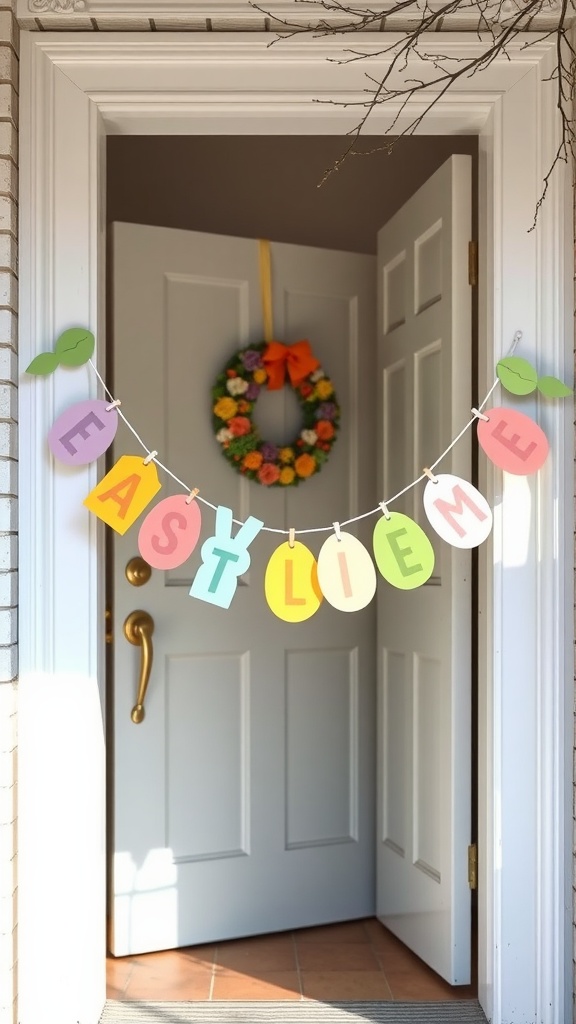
(325, 430)
(305, 465)
(239, 425)
(253, 460)
(268, 473)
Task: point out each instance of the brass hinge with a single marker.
(473, 263)
(473, 866)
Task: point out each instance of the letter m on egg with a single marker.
(457, 511)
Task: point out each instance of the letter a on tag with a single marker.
(224, 559)
(124, 492)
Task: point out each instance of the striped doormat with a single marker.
(296, 1012)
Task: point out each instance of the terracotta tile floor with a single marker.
(352, 961)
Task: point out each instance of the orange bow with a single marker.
(297, 360)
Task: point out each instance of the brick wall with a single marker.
(8, 505)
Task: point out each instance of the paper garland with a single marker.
(295, 584)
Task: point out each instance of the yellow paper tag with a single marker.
(124, 492)
(291, 583)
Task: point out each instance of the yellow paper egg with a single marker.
(291, 583)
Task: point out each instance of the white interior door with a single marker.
(424, 635)
(243, 803)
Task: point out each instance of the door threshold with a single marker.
(455, 1011)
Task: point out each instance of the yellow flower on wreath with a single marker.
(286, 455)
(287, 475)
(253, 460)
(260, 376)
(305, 465)
(324, 389)
(225, 408)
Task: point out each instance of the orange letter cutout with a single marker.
(124, 492)
(289, 584)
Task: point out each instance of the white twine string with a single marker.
(151, 457)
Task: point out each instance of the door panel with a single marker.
(424, 635)
(243, 803)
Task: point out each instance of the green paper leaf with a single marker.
(43, 364)
(75, 346)
(517, 375)
(551, 387)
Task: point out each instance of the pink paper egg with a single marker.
(170, 532)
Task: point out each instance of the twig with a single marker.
(501, 20)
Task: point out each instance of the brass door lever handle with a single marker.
(138, 629)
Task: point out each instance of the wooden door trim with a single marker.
(75, 89)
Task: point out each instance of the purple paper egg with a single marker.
(83, 432)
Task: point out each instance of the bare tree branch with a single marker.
(499, 23)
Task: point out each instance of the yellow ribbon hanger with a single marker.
(266, 288)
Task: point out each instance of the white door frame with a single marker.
(75, 89)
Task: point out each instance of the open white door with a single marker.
(424, 635)
(243, 803)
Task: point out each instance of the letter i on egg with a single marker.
(346, 572)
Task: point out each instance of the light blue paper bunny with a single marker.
(224, 559)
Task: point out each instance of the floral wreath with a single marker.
(233, 399)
